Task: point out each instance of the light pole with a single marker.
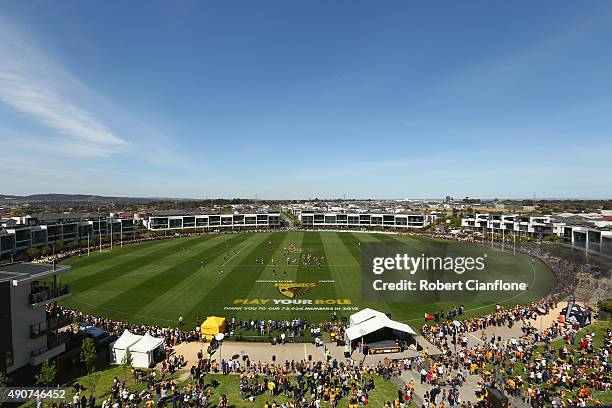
(219, 337)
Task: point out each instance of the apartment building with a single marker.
(18, 234)
(31, 334)
(313, 219)
(178, 220)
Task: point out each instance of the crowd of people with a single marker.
(540, 376)
(559, 375)
(291, 328)
(172, 335)
(302, 383)
(526, 366)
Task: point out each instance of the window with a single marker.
(188, 222)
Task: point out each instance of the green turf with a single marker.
(230, 386)
(100, 384)
(156, 282)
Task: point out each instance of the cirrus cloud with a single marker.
(32, 83)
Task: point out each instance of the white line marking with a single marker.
(490, 304)
(123, 313)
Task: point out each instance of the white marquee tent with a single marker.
(368, 321)
(143, 352)
(123, 343)
(363, 315)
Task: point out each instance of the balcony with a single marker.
(42, 295)
(43, 328)
(53, 348)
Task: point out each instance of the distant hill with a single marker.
(82, 197)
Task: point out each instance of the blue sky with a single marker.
(282, 99)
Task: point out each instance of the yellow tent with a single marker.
(212, 326)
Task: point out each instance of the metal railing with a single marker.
(44, 327)
(44, 293)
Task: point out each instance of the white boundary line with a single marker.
(120, 312)
(491, 304)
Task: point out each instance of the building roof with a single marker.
(23, 271)
(166, 213)
(183, 213)
(63, 216)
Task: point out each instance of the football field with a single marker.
(156, 282)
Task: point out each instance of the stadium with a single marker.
(377, 289)
(305, 205)
(223, 274)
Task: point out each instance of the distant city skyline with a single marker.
(284, 100)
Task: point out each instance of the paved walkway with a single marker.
(265, 352)
(256, 352)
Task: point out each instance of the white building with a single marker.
(19, 234)
(177, 220)
(579, 231)
(312, 219)
(535, 226)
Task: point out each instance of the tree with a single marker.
(46, 251)
(33, 252)
(94, 378)
(126, 362)
(88, 355)
(47, 374)
(59, 245)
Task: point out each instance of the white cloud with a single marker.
(67, 147)
(33, 84)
